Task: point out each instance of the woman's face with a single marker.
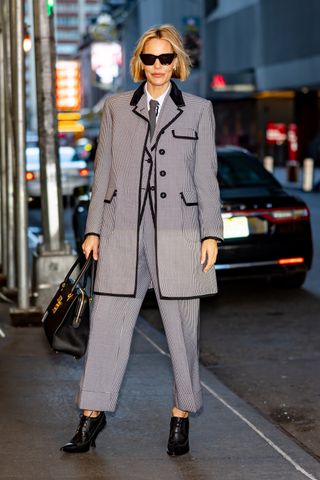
(158, 75)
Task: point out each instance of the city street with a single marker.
(186, 127)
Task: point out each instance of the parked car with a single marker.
(74, 171)
(267, 230)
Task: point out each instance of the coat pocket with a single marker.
(185, 133)
(190, 216)
(109, 214)
(111, 193)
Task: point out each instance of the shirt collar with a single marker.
(159, 99)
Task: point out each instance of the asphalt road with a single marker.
(261, 342)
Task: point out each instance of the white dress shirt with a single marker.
(160, 99)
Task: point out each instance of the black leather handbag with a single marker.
(66, 321)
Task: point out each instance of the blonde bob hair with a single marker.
(163, 32)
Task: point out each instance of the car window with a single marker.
(68, 154)
(243, 171)
(32, 156)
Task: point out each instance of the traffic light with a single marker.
(50, 7)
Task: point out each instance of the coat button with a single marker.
(152, 188)
(162, 151)
(163, 173)
(163, 194)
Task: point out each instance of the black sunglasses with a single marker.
(164, 58)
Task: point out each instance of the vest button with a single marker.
(152, 188)
(162, 151)
(148, 160)
(163, 173)
(163, 194)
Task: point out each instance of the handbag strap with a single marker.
(72, 268)
(83, 273)
(84, 269)
(92, 277)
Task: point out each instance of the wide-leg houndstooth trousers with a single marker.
(112, 323)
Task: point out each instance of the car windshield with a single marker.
(236, 171)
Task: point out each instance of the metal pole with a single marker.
(21, 189)
(13, 62)
(54, 257)
(10, 225)
(51, 200)
(32, 74)
(3, 182)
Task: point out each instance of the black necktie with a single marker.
(154, 107)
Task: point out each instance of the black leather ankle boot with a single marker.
(178, 443)
(86, 434)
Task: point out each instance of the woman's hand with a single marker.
(209, 252)
(91, 244)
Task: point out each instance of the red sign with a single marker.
(276, 133)
(218, 81)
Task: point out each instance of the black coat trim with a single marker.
(196, 137)
(185, 201)
(188, 298)
(140, 114)
(214, 238)
(175, 94)
(91, 233)
(152, 208)
(144, 149)
(163, 129)
(147, 190)
(109, 200)
(115, 294)
(161, 296)
(137, 94)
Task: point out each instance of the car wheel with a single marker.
(295, 280)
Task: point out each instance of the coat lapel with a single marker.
(168, 114)
(141, 108)
(170, 110)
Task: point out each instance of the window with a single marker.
(67, 21)
(67, 35)
(242, 171)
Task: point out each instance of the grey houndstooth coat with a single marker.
(181, 165)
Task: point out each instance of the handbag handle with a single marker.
(83, 272)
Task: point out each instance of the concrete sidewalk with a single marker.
(229, 440)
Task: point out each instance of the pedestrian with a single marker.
(154, 220)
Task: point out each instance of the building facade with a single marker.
(266, 56)
(72, 18)
(259, 62)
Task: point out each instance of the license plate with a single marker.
(236, 227)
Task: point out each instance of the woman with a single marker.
(154, 220)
